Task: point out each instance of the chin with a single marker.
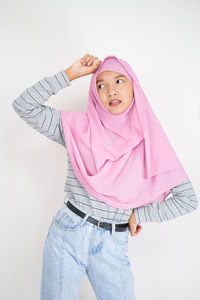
(117, 112)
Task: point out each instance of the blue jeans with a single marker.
(74, 248)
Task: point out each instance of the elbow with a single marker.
(195, 203)
(15, 105)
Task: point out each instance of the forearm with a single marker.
(183, 201)
(40, 92)
(29, 105)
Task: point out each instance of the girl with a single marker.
(121, 168)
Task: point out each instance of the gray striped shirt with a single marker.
(47, 120)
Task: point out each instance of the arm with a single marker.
(30, 105)
(183, 201)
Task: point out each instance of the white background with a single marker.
(160, 39)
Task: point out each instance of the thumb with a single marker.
(95, 65)
(97, 62)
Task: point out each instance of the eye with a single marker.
(120, 79)
(116, 81)
(99, 85)
(102, 84)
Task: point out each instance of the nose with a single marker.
(112, 92)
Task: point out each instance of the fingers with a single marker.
(139, 228)
(85, 59)
(134, 228)
(89, 59)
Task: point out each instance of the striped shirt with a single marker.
(29, 106)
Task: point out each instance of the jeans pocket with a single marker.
(66, 221)
(120, 237)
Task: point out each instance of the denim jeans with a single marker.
(74, 248)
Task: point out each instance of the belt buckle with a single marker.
(99, 223)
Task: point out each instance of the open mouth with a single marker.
(114, 102)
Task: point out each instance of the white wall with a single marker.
(160, 39)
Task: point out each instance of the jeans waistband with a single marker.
(99, 223)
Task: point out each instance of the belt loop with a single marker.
(83, 222)
(85, 218)
(113, 227)
(66, 198)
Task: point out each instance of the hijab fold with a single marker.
(125, 159)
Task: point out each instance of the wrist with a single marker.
(70, 74)
(132, 217)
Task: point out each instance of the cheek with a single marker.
(129, 98)
(130, 95)
(102, 96)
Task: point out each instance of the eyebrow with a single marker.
(114, 77)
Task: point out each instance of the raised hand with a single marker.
(85, 65)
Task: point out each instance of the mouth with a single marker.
(114, 102)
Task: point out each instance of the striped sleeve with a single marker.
(183, 201)
(30, 106)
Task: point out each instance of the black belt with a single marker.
(108, 226)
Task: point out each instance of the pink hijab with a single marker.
(126, 159)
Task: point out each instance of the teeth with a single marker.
(114, 101)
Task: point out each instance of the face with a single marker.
(111, 86)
